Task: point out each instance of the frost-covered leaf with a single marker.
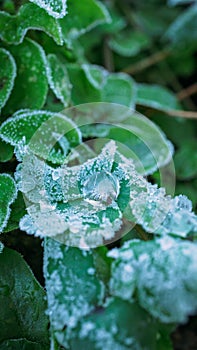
(22, 313)
(6, 151)
(22, 344)
(161, 273)
(129, 43)
(7, 196)
(186, 161)
(161, 214)
(183, 31)
(51, 134)
(95, 84)
(58, 79)
(17, 212)
(73, 288)
(14, 28)
(1, 247)
(81, 211)
(31, 86)
(157, 97)
(55, 8)
(7, 75)
(82, 16)
(120, 325)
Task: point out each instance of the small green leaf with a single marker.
(157, 97)
(7, 75)
(22, 344)
(31, 84)
(14, 28)
(82, 16)
(6, 151)
(129, 43)
(119, 88)
(121, 325)
(73, 289)
(58, 79)
(183, 31)
(22, 301)
(7, 196)
(55, 8)
(41, 125)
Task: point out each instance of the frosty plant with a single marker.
(82, 174)
(78, 165)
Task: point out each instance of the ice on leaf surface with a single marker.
(162, 275)
(120, 325)
(81, 211)
(73, 291)
(55, 8)
(14, 28)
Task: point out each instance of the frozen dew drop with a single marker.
(101, 186)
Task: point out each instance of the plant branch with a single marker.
(147, 62)
(189, 91)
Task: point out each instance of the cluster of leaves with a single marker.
(133, 296)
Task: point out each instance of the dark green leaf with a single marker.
(7, 196)
(7, 75)
(22, 344)
(6, 151)
(31, 84)
(23, 307)
(82, 16)
(14, 28)
(17, 212)
(121, 325)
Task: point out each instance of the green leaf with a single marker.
(7, 75)
(137, 136)
(183, 31)
(85, 90)
(14, 28)
(22, 344)
(119, 88)
(31, 84)
(129, 43)
(161, 273)
(55, 130)
(95, 84)
(186, 161)
(121, 325)
(17, 212)
(73, 289)
(55, 8)
(157, 97)
(58, 79)
(6, 151)
(82, 16)
(8, 194)
(22, 301)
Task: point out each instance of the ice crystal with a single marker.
(162, 273)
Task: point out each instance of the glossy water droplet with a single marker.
(101, 186)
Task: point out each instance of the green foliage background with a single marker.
(57, 54)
